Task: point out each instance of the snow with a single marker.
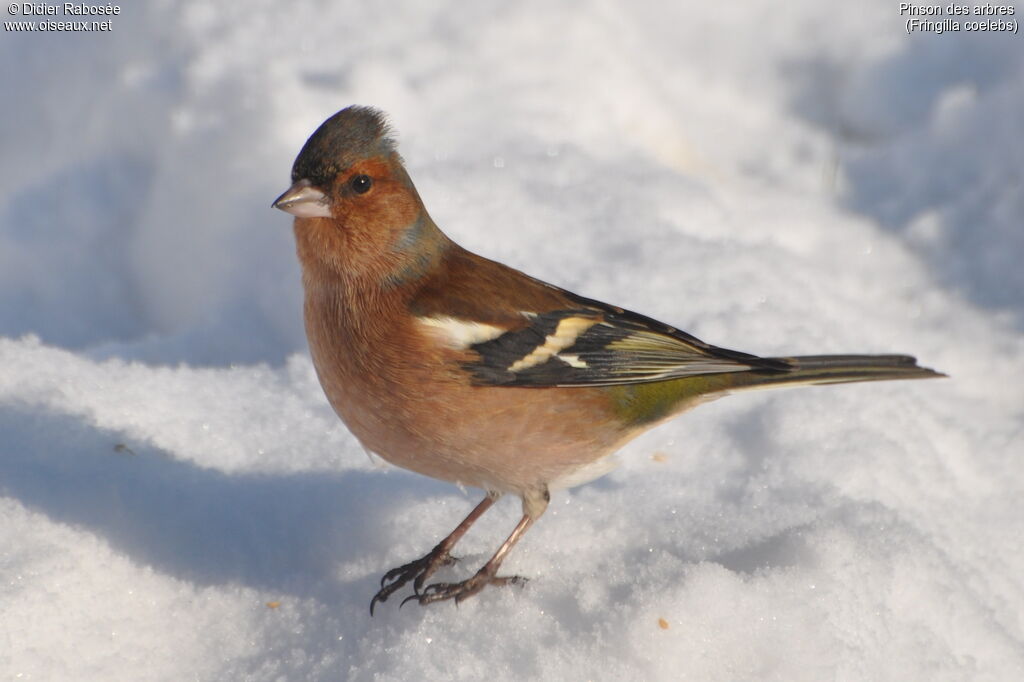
(177, 500)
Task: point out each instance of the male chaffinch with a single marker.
(458, 367)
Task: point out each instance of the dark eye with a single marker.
(361, 184)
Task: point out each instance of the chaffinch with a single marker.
(460, 368)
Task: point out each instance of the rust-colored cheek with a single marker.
(378, 218)
(390, 205)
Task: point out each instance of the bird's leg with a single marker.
(421, 569)
(533, 506)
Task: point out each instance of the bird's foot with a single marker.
(463, 590)
(418, 571)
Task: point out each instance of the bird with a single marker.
(461, 368)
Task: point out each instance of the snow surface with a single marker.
(177, 501)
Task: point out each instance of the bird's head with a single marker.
(355, 206)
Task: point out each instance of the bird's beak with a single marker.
(303, 200)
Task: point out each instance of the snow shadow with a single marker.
(283, 532)
(930, 145)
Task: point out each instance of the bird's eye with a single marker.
(361, 184)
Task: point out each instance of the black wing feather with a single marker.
(606, 346)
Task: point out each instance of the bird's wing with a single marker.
(593, 344)
(601, 345)
(519, 331)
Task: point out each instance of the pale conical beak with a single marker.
(303, 200)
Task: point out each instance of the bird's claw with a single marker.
(418, 571)
(461, 590)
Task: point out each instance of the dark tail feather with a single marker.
(833, 369)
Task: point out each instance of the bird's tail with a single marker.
(645, 403)
(831, 369)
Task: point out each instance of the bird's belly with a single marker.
(502, 439)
